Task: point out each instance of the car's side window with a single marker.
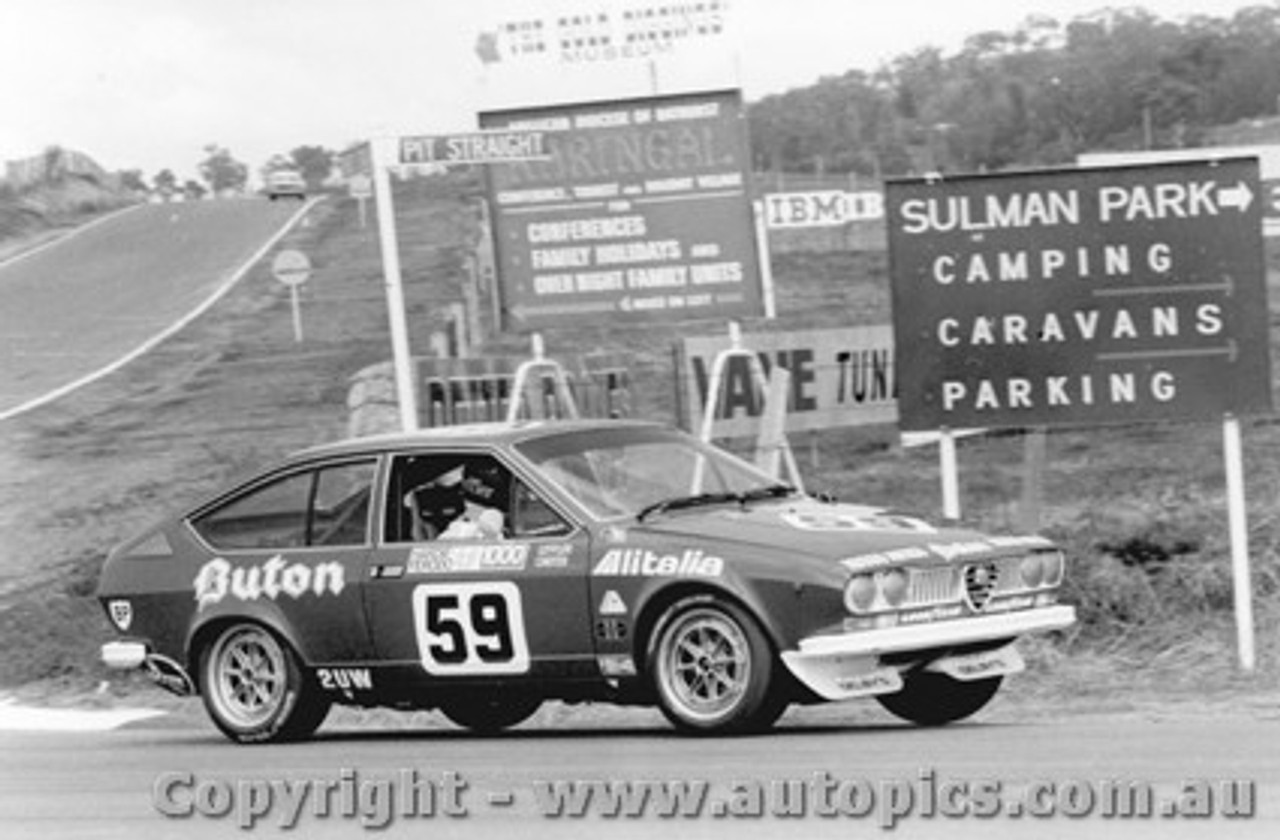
(531, 516)
(324, 507)
(340, 509)
(462, 496)
(273, 516)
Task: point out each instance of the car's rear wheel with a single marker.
(928, 698)
(256, 690)
(490, 712)
(713, 669)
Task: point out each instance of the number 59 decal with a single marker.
(470, 628)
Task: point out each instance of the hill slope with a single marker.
(36, 215)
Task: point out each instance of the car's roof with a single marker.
(474, 434)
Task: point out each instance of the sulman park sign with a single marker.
(1074, 297)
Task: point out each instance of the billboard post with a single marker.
(1242, 589)
(765, 261)
(402, 361)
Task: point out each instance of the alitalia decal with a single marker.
(640, 562)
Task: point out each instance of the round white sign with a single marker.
(360, 186)
(291, 268)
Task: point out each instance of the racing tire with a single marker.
(928, 698)
(255, 688)
(488, 714)
(713, 670)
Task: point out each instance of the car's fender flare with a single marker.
(657, 602)
(203, 631)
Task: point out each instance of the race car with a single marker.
(483, 570)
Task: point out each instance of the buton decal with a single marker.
(217, 579)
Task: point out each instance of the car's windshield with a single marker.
(624, 471)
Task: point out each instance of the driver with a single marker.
(481, 517)
(435, 504)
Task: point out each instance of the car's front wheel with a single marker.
(713, 669)
(256, 690)
(928, 698)
(490, 713)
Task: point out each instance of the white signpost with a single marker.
(292, 268)
(406, 153)
(361, 189)
(401, 360)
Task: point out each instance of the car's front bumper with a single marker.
(847, 665)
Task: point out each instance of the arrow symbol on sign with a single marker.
(1239, 196)
(1227, 287)
(1231, 351)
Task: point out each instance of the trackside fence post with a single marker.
(711, 409)
(540, 363)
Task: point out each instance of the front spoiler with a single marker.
(840, 667)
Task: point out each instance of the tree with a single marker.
(131, 179)
(221, 171)
(194, 189)
(315, 164)
(165, 181)
(55, 164)
(1119, 78)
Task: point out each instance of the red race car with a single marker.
(483, 570)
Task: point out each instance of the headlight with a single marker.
(1031, 570)
(1053, 568)
(876, 591)
(893, 586)
(859, 593)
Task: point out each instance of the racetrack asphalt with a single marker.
(82, 306)
(177, 777)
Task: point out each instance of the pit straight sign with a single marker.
(473, 147)
(1075, 297)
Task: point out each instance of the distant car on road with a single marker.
(285, 183)
(482, 570)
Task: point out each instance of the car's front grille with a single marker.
(932, 586)
(975, 583)
(980, 582)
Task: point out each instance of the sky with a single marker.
(148, 84)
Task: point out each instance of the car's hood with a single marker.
(832, 531)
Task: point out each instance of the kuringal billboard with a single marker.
(641, 211)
